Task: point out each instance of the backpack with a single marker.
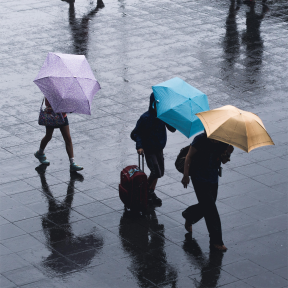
(132, 135)
(180, 160)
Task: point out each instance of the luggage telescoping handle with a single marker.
(142, 161)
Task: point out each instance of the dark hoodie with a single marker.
(150, 132)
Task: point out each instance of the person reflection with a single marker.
(58, 232)
(146, 248)
(231, 43)
(210, 268)
(253, 41)
(80, 27)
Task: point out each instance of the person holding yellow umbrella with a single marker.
(223, 126)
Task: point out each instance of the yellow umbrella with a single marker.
(239, 128)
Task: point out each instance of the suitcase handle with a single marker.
(142, 162)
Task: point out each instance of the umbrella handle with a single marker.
(142, 162)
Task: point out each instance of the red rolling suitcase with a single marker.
(133, 187)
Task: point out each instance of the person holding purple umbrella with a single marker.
(64, 128)
(68, 85)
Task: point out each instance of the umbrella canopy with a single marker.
(68, 83)
(239, 128)
(177, 104)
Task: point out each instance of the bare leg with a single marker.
(47, 137)
(68, 141)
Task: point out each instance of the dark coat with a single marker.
(150, 132)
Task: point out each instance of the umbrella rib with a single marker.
(64, 64)
(249, 148)
(84, 94)
(247, 136)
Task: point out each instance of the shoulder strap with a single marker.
(42, 103)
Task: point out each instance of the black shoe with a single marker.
(153, 199)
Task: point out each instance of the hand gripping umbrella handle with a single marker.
(142, 162)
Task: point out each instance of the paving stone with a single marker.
(9, 230)
(24, 275)
(12, 262)
(266, 279)
(5, 283)
(244, 269)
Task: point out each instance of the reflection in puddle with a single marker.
(60, 239)
(210, 267)
(143, 239)
(80, 27)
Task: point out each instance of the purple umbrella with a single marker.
(68, 83)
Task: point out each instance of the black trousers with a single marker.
(206, 194)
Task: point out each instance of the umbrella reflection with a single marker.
(80, 27)
(60, 239)
(210, 267)
(146, 248)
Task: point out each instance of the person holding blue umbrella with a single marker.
(177, 104)
(150, 137)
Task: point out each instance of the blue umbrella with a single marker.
(177, 104)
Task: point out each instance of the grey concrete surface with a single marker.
(63, 231)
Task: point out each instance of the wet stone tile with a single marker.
(7, 202)
(45, 283)
(271, 179)
(93, 209)
(213, 277)
(283, 272)
(21, 243)
(237, 284)
(17, 213)
(4, 250)
(15, 187)
(240, 202)
(24, 275)
(102, 194)
(10, 230)
(5, 283)
(265, 280)
(261, 212)
(244, 269)
(29, 197)
(108, 220)
(12, 262)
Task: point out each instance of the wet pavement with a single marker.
(62, 230)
